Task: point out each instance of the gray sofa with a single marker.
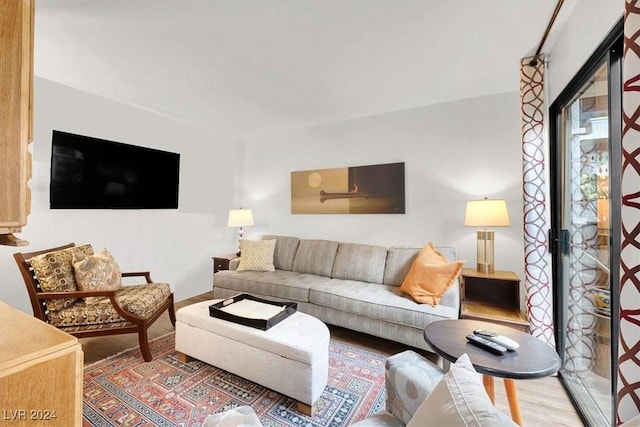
(354, 286)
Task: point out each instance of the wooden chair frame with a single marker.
(134, 323)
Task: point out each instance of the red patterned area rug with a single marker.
(123, 390)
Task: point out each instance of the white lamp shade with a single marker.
(240, 218)
(487, 213)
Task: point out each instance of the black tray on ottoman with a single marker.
(287, 309)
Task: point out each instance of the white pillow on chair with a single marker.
(459, 399)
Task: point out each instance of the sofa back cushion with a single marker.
(285, 253)
(360, 262)
(315, 257)
(430, 276)
(399, 260)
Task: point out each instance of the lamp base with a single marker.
(485, 251)
(240, 234)
(484, 268)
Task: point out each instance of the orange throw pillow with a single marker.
(430, 275)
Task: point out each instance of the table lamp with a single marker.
(240, 218)
(486, 213)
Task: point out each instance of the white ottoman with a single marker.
(291, 357)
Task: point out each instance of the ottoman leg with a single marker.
(305, 409)
(184, 358)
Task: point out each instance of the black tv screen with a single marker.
(93, 173)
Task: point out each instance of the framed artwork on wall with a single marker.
(368, 189)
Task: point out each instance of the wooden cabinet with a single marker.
(40, 372)
(16, 116)
(492, 297)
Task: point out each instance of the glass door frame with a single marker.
(609, 52)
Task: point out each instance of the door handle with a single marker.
(564, 241)
(559, 240)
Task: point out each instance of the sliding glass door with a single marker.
(586, 142)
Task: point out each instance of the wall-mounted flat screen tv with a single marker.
(93, 173)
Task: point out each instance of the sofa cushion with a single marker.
(459, 399)
(430, 275)
(55, 273)
(285, 253)
(280, 285)
(375, 301)
(399, 260)
(256, 255)
(315, 257)
(141, 300)
(359, 262)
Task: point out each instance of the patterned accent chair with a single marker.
(409, 379)
(420, 394)
(100, 310)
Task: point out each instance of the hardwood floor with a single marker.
(543, 402)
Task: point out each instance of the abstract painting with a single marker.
(349, 190)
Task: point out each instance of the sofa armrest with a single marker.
(409, 379)
(451, 298)
(233, 263)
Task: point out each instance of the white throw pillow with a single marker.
(459, 399)
(256, 255)
(242, 416)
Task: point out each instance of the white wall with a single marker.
(588, 25)
(452, 152)
(175, 245)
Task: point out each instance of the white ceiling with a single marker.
(247, 67)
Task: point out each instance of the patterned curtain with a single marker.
(629, 339)
(539, 299)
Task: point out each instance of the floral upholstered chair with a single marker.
(81, 292)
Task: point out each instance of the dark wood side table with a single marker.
(533, 359)
(221, 262)
(492, 297)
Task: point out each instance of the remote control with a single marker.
(487, 345)
(507, 343)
